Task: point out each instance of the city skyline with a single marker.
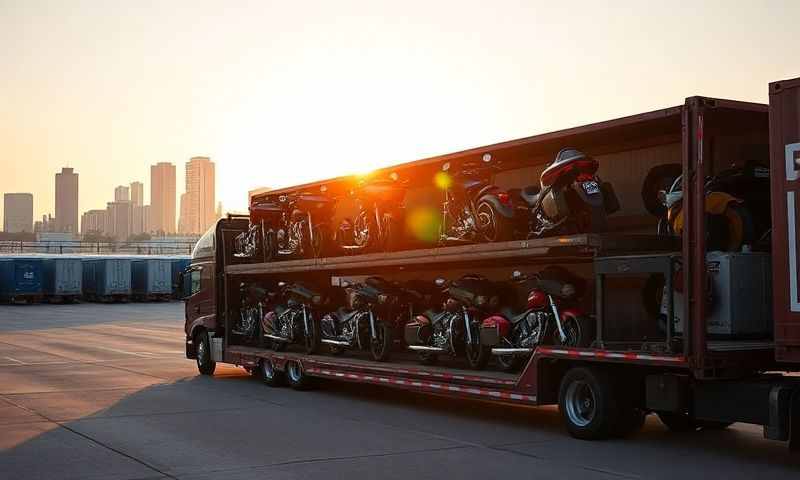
(126, 214)
(368, 87)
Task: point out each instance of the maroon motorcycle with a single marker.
(549, 317)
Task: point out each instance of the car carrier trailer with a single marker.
(689, 377)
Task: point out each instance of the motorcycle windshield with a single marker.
(301, 291)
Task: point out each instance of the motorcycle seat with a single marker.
(530, 194)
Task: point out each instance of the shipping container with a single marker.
(21, 279)
(179, 264)
(151, 278)
(62, 278)
(107, 279)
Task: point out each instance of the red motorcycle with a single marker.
(549, 316)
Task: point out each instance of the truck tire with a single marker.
(269, 375)
(205, 365)
(587, 403)
(297, 377)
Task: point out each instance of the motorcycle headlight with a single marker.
(316, 299)
(481, 300)
(383, 298)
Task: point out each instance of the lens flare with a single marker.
(442, 180)
(423, 223)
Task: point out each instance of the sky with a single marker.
(279, 93)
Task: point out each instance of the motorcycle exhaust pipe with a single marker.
(425, 348)
(510, 351)
(276, 338)
(335, 342)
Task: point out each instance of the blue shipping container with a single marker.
(179, 264)
(152, 277)
(62, 276)
(106, 278)
(20, 278)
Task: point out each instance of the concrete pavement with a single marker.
(102, 391)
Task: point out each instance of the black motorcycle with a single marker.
(570, 198)
(377, 226)
(550, 316)
(289, 225)
(295, 317)
(473, 208)
(454, 328)
(373, 310)
(253, 300)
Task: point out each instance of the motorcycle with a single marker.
(473, 208)
(372, 311)
(570, 198)
(250, 311)
(295, 320)
(546, 318)
(378, 222)
(289, 225)
(730, 198)
(455, 329)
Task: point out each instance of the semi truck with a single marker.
(728, 340)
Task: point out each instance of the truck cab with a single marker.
(199, 291)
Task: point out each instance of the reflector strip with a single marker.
(422, 385)
(630, 356)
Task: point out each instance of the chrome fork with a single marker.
(553, 307)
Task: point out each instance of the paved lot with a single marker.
(103, 391)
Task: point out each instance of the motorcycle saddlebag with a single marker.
(610, 200)
(491, 330)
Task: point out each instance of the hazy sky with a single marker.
(278, 93)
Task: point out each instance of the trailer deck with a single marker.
(543, 250)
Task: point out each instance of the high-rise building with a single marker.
(66, 201)
(118, 220)
(18, 212)
(93, 221)
(162, 197)
(197, 204)
(137, 194)
(147, 222)
(122, 194)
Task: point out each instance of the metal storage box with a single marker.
(152, 278)
(62, 277)
(741, 304)
(20, 279)
(107, 278)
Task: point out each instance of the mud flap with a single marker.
(784, 415)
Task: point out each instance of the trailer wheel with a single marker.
(269, 375)
(297, 377)
(587, 404)
(205, 365)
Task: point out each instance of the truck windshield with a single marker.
(205, 246)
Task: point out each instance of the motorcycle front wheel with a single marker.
(573, 331)
(381, 344)
(509, 363)
(311, 337)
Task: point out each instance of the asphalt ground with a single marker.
(94, 391)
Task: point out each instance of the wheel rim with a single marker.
(487, 222)
(572, 332)
(361, 230)
(379, 342)
(267, 369)
(201, 353)
(295, 373)
(581, 403)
